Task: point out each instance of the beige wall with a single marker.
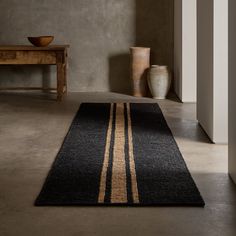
(221, 71)
(99, 32)
(185, 49)
(212, 68)
(232, 88)
(178, 48)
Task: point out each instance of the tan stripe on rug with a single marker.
(119, 189)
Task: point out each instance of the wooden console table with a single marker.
(31, 55)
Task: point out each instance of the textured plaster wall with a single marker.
(99, 32)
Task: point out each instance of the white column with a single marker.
(232, 89)
(212, 68)
(185, 50)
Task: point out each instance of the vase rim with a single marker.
(159, 66)
(140, 48)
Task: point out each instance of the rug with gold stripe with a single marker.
(119, 154)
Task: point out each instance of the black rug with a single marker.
(119, 154)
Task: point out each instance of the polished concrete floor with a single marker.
(32, 128)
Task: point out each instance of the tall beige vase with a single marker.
(140, 62)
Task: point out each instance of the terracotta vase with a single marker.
(140, 62)
(159, 81)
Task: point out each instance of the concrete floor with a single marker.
(32, 128)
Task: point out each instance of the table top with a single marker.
(33, 48)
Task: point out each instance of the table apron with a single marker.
(30, 57)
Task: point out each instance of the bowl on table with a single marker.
(41, 41)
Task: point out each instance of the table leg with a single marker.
(60, 81)
(65, 78)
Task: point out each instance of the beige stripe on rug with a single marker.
(119, 188)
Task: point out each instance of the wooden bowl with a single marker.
(42, 41)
